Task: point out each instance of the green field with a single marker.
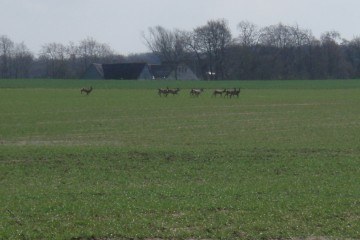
(282, 161)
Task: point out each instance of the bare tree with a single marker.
(55, 58)
(353, 54)
(21, 62)
(283, 36)
(91, 51)
(249, 34)
(279, 36)
(330, 37)
(169, 46)
(301, 37)
(73, 54)
(243, 55)
(213, 40)
(71, 61)
(6, 51)
(334, 59)
(287, 47)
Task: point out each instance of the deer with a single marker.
(163, 91)
(86, 90)
(229, 92)
(218, 92)
(174, 91)
(196, 92)
(232, 92)
(235, 92)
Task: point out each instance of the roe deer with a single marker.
(174, 91)
(163, 91)
(86, 90)
(235, 92)
(232, 92)
(196, 92)
(218, 92)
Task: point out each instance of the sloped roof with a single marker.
(123, 70)
(160, 71)
(99, 69)
(171, 71)
(94, 71)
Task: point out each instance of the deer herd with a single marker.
(194, 92)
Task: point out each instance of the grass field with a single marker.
(281, 161)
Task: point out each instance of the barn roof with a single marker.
(99, 69)
(123, 70)
(160, 71)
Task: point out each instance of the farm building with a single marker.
(137, 71)
(168, 71)
(126, 71)
(94, 71)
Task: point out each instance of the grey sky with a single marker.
(119, 23)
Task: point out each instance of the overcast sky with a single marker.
(120, 23)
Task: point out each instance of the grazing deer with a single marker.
(235, 92)
(218, 92)
(232, 92)
(163, 91)
(229, 92)
(86, 90)
(196, 92)
(174, 91)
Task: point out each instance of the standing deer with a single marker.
(196, 92)
(235, 92)
(86, 90)
(218, 92)
(229, 92)
(163, 91)
(232, 92)
(174, 91)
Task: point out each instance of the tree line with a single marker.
(272, 52)
(55, 60)
(213, 52)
